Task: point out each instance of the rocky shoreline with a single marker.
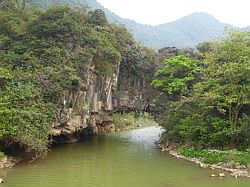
(8, 162)
(239, 171)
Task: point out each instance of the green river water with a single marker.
(124, 159)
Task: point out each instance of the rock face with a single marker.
(88, 111)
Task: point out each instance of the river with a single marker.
(124, 159)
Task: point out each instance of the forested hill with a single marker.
(185, 32)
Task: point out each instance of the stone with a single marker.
(213, 175)
(203, 165)
(1, 180)
(55, 132)
(241, 167)
(229, 165)
(4, 160)
(222, 175)
(1, 165)
(234, 175)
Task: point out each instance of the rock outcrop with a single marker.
(88, 111)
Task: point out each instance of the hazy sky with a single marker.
(153, 12)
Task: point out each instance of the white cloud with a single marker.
(235, 12)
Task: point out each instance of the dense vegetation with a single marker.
(209, 100)
(43, 54)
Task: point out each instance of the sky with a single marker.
(154, 12)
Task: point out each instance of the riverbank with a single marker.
(8, 162)
(240, 170)
(121, 122)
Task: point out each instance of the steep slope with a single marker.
(185, 32)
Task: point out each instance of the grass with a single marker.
(216, 156)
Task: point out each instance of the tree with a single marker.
(97, 17)
(215, 110)
(225, 83)
(19, 5)
(177, 76)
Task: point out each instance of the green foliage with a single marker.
(138, 62)
(24, 115)
(213, 111)
(1, 154)
(216, 156)
(176, 76)
(43, 55)
(97, 17)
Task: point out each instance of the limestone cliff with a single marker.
(89, 110)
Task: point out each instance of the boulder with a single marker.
(4, 160)
(222, 175)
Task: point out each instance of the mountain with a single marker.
(247, 28)
(185, 32)
(191, 30)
